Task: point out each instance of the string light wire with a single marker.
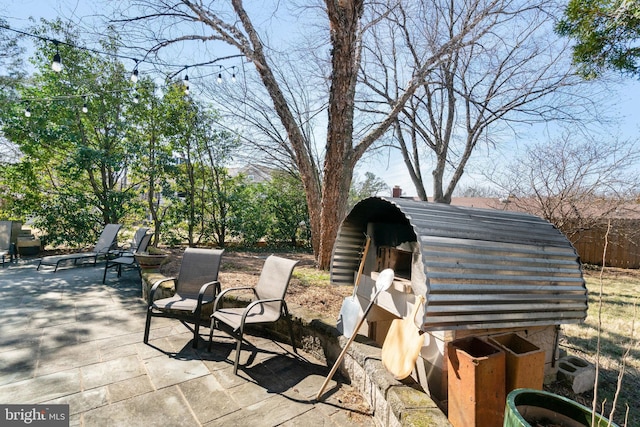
(134, 77)
(137, 61)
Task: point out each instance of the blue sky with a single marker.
(388, 166)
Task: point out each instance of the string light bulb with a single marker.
(219, 78)
(134, 74)
(27, 112)
(185, 81)
(56, 65)
(135, 97)
(85, 109)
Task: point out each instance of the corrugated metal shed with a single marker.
(478, 268)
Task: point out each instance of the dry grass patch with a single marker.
(620, 321)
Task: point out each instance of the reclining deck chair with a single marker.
(196, 286)
(127, 259)
(268, 306)
(106, 241)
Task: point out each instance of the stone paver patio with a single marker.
(67, 338)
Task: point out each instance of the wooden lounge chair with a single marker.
(105, 243)
(126, 258)
(196, 286)
(267, 307)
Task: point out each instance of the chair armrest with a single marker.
(116, 253)
(121, 251)
(152, 291)
(226, 291)
(106, 252)
(203, 289)
(255, 303)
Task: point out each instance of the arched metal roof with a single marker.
(481, 268)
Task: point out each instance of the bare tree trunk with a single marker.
(413, 167)
(344, 17)
(303, 161)
(151, 183)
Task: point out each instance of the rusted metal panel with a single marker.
(346, 253)
(482, 268)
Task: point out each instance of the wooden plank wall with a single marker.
(623, 247)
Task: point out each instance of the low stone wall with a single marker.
(395, 403)
(165, 290)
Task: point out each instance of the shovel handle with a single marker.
(383, 287)
(364, 257)
(340, 357)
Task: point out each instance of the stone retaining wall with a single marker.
(395, 403)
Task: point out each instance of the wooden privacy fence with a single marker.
(623, 249)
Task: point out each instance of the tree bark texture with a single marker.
(344, 17)
(303, 160)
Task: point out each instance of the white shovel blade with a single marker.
(350, 313)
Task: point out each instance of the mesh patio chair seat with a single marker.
(105, 243)
(127, 259)
(267, 307)
(196, 286)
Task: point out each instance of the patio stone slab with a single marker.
(23, 339)
(49, 318)
(41, 389)
(18, 364)
(115, 352)
(64, 358)
(60, 336)
(269, 412)
(349, 418)
(131, 387)
(84, 400)
(164, 371)
(226, 377)
(250, 393)
(165, 407)
(208, 399)
(307, 387)
(115, 370)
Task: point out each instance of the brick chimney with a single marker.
(397, 191)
